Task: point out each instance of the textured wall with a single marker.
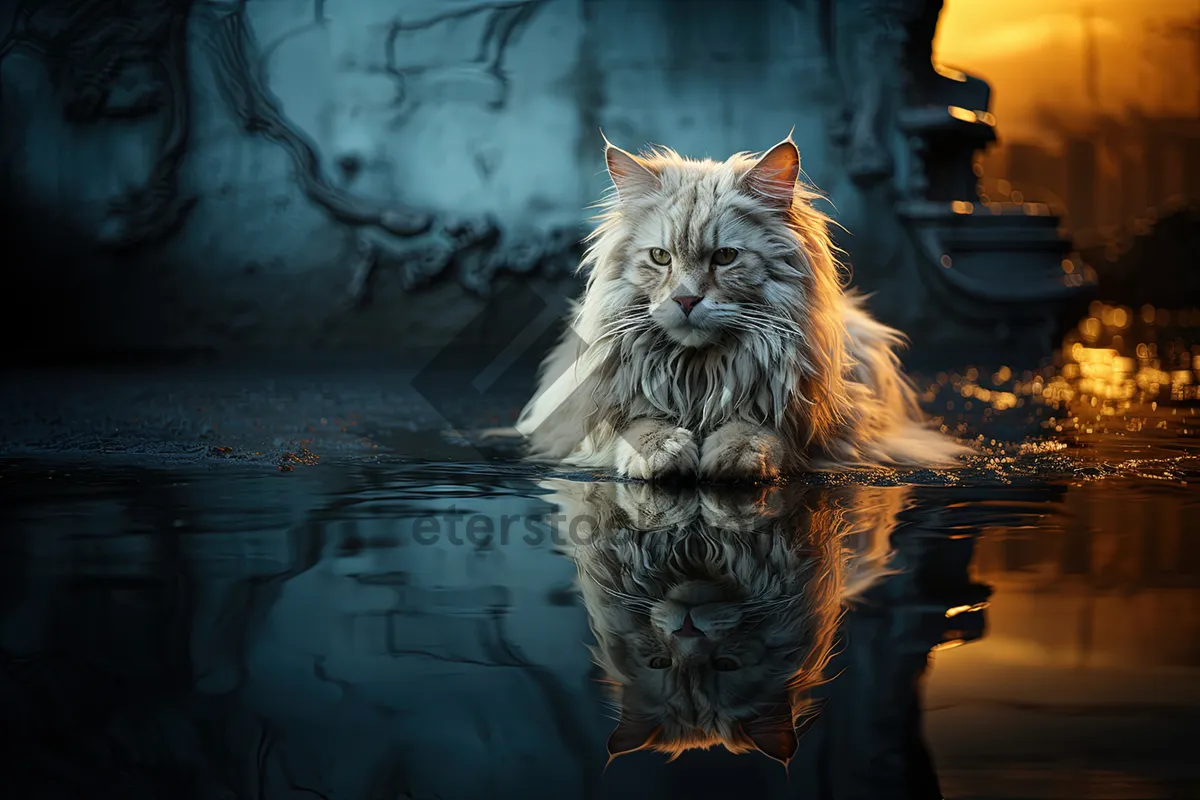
(297, 174)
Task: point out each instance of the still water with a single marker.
(1025, 627)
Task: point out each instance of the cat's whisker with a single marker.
(628, 319)
(761, 330)
(752, 322)
(755, 312)
(626, 599)
(618, 331)
(632, 315)
(623, 327)
(777, 327)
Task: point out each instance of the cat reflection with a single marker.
(715, 610)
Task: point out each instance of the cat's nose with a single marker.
(688, 628)
(687, 302)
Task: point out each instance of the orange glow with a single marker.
(949, 644)
(1033, 53)
(1109, 381)
(1109, 367)
(963, 114)
(954, 612)
(952, 74)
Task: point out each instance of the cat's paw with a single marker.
(650, 450)
(741, 451)
(742, 507)
(648, 506)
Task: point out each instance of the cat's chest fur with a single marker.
(701, 388)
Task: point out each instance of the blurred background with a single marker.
(296, 176)
(1099, 102)
(1100, 109)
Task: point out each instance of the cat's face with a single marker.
(706, 252)
(713, 614)
(710, 662)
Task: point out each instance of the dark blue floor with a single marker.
(303, 582)
(379, 631)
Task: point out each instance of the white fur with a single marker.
(777, 370)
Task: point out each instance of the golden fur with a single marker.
(776, 369)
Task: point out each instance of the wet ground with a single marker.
(221, 582)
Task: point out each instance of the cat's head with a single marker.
(703, 252)
(714, 612)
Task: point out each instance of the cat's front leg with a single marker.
(651, 449)
(742, 451)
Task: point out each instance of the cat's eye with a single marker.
(660, 662)
(725, 664)
(660, 256)
(724, 257)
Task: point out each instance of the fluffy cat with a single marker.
(714, 336)
(714, 611)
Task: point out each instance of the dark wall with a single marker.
(264, 176)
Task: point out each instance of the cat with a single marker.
(715, 609)
(714, 336)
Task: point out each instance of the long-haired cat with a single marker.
(714, 336)
(714, 611)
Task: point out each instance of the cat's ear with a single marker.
(772, 179)
(629, 174)
(631, 735)
(773, 734)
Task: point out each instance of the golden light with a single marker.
(1034, 54)
(949, 644)
(954, 612)
(963, 114)
(1098, 376)
(952, 74)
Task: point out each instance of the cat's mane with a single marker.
(834, 392)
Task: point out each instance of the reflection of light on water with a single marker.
(1121, 374)
(1120, 370)
(1040, 447)
(949, 644)
(954, 612)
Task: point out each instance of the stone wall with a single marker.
(296, 174)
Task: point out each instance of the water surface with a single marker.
(1027, 626)
(381, 631)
